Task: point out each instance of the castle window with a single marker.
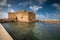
(22, 17)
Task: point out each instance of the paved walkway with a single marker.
(4, 34)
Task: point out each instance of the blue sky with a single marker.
(44, 9)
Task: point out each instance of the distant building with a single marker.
(22, 16)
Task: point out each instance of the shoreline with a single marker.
(50, 21)
(47, 21)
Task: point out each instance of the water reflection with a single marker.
(47, 31)
(21, 31)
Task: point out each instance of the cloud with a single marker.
(11, 10)
(3, 5)
(35, 8)
(42, 1)
(9, 5)
(56, 5)
(3, 2)
(25, 3)
(56, 15)
(47, 15)
(2, 9)
(42, 16)
(3, 15)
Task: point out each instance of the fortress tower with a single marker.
(22, 16)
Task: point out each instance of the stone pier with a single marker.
(4, 34)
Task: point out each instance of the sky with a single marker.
(44, 9)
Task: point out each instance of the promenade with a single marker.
(4, 34)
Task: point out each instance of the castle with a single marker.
(22, 16)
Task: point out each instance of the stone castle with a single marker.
(22, 16)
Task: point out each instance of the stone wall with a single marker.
(11, 16)
(32, 17)
(25, 16)
(22, 16)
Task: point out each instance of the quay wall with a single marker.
(4, 34)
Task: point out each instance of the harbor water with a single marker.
(33, 31)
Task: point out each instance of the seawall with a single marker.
(4, 34)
